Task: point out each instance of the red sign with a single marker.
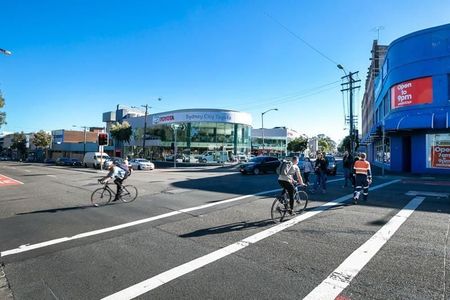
(4, 180)
(413, 92)
(440, 156)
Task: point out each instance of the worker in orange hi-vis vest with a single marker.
(363, 178)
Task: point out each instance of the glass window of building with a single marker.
(438, 151)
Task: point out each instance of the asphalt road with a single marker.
(191, 243)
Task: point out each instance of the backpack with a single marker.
(284, 167)
(125, 168)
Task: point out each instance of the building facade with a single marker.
(192, 131)
(272, 141)
(409, 131)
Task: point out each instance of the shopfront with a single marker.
(411, 132)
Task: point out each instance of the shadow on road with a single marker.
(55, 210)
(238, 226)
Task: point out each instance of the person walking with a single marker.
(347, 162)
(308, 168)
(363, 178)
(321, 167)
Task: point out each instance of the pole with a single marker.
(262, 128)
(350, 80)
(175, 147)
(84, 145)
(383, 141)
(145, 129)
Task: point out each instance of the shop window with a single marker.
(383, 155)
(438, 151)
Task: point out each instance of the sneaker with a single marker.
(115, 199)
(291, 212)
(355, 200)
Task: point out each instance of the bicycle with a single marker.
(103, 195)
(280, 205)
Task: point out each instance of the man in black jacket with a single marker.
(347, 162)
(321, 167)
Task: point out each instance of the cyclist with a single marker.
(287, 181)
(119, 174)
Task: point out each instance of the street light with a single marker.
(6, 52)
(262, 124)
(84, 144)
(175, 127)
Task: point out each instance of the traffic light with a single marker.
(102, 139)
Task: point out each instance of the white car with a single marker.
(141, 164)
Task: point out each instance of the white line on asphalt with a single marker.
(53, 176)
(340, 278)
(165, 277)
(28, 247)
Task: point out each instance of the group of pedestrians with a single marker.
(357, 174)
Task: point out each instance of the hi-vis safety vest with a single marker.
(362, 167)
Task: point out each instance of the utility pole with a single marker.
(145, 129)
(351, 86)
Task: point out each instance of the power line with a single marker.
(302, 40)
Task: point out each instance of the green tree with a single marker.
(2, 114)
(121, 133)
(298, 145)
(326, 144)
(19, 143)
(42, 140)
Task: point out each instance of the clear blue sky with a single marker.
(74, 60)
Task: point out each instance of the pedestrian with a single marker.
(321, 167)
(347, 162)
(363, 178)
(352, 174)
(308, 168)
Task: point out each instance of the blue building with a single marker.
(408, 128)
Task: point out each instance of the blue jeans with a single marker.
(347, 176)
(321, 179)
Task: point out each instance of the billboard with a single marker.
(440, 156)
(412, 92)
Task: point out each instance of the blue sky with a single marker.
(74, 60)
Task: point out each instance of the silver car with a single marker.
(141, 164)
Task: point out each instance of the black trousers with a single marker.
(290, 189)
(118, 183)
(361, 183)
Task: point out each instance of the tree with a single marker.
(42, 140)
(2, 114)
(19, 143)
(121, 133)
(326, 144)
(298, 145)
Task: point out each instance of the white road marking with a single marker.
(28, 171)
(340, 278)
(165, 277)
(28, 247)
(53, 176)
(423, 193)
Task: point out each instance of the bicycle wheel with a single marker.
(129, 193)
(100, 197)
(277, 211)
(301, 201)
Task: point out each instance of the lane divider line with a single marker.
(340, 278)
(176, 272)
(29, 247)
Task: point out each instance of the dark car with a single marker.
(332, 168)
(76, 162)
(64, 161)
(260, 164)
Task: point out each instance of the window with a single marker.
(438, 151)
(379, 151)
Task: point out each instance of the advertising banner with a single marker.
(440, 156)
(412, 92)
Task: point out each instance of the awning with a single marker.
(409, 122)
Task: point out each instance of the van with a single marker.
(214, 156)
(94, 159)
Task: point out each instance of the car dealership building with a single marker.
(193, 131)
(407, 129)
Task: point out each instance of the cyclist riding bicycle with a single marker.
(286, 179)
(119, 174)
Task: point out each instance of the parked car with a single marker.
(242, 158)
(260, 164)
(49, 161)
(94, 159)
(180, 158)
(141, 164)
(64, 161)
(108, 162)
(76, 162)
(214, 156)
(3, 158)
(332, 167)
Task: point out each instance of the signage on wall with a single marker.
(205, 116)
(412, 92)
(440, 156)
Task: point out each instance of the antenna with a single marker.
(377, 30)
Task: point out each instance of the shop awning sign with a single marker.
(412, 92)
